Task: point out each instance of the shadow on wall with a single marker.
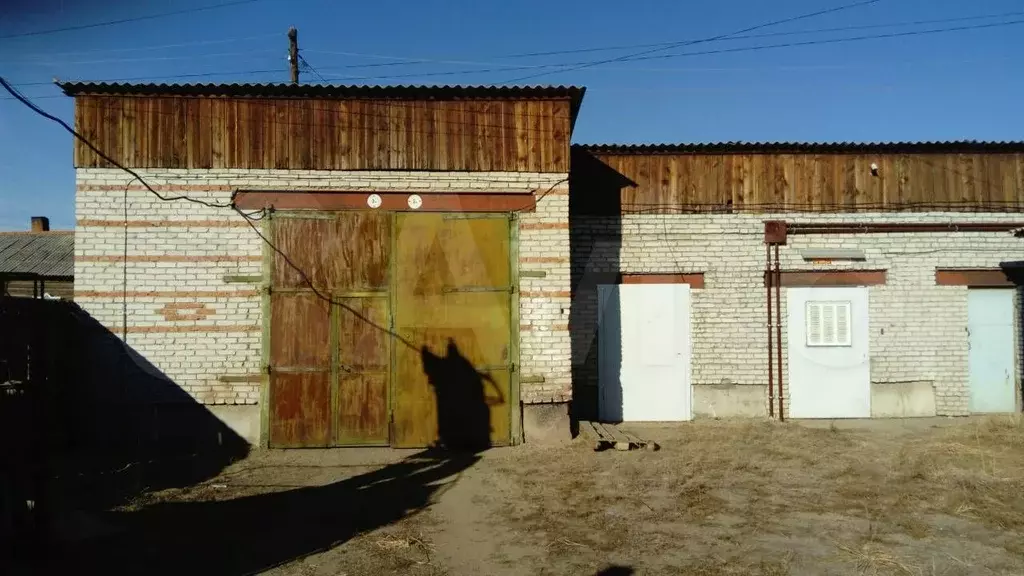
(249, 534)
(595, 245)
(1014, 271)
(102, 423)
(463, 414)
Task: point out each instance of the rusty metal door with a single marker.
(329, 349)
(452, 296)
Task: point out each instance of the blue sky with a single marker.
(957, 85)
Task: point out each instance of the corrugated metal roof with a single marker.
(286, 90)
(48, 254)
(781, 147)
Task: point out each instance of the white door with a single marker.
(829, 369)
(644, 347)
(990, 341)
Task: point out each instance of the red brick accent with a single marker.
(171, 329)
(977, 277)
(545, 294)
(236, 223)
(158, 188)
(695, 280)
(218, 258)
(544, 226)
(168, 294)
(193, 311)
(543, 260)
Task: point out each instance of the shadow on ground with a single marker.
(255, 533)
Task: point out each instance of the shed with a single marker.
(38, 263)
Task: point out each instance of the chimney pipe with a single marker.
(40, 224)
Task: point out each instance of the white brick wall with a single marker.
(544, 303)
(181, 267)
(918, 329)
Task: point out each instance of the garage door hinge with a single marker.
(267, 369)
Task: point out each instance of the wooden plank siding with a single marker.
(324, 134)
(837, 182)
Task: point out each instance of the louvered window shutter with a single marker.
(828, 324)
(813, 324)
(843, 324)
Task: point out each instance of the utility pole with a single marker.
(293, 53)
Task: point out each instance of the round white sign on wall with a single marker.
(415, 201)
(374, 201)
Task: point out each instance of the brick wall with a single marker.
(918, 329)
(544, 299)
(196, 328)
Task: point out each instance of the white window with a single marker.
(828, 323)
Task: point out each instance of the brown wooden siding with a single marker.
(819, 182)
(324, 134)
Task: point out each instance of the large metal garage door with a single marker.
(329, 360)
(453, 294)
(417, 335)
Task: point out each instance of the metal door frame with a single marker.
(268, 231)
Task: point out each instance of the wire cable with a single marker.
(13, 92)
(771, 34)
(699, 41)
(43, 55)
(127, 20)
(302, 60)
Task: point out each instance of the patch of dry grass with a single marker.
(723, 483)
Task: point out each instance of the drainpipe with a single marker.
(771, 364)
(778, 324)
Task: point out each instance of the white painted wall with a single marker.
(829, 381)
(645, 353)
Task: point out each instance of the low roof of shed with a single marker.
(950, 146)
(49, 254)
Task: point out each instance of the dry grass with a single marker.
(740, 496)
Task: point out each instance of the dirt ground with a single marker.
(917, 497)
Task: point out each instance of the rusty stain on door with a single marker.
(329, 351)
(413, 346)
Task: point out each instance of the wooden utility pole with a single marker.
(293, 53)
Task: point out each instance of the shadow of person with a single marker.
(254, 533)
(463, 415)
(616, 571)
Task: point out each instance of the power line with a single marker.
(146, 48)
(831, 40)
(127, 20)
(699, 41)
(147, 59)
(302, 60)
(411, 61)
(579, 65)
(771, 34)
(157, 77)
(21, 98)
(582, 65)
